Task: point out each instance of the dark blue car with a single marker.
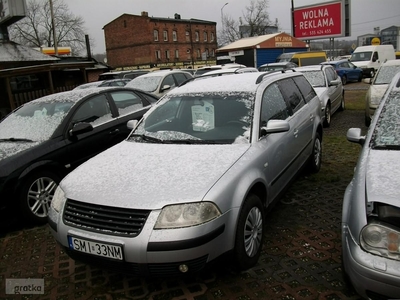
(346, 70)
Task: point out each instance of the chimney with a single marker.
(145, 14)
(177, 16)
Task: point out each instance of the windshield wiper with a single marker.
(191, 141)
(387, 147)
(15, 140)
(148, 138)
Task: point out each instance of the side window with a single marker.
(126, 102)
(273, 106)
(180, 77)
(292, 94)
(305, 87)
(95, 110)
(376, 56)
(331, 74)
(168, 80)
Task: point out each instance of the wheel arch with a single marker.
(45, 165)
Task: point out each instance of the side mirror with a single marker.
(165, 87)
(354, 135)
(131, 124)
(275, 126)
(80, 128)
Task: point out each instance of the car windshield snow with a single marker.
(387, 133)
(206, 119)
(145, 83)
(35, 121)
(386, 74)
(316, 78)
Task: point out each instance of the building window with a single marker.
(196, 36)
(155, 33)
(212, 52)
(167, 54)
(187, 36)
(198, 53)
(174, 36)
(207, 53)
(176, 53)
(158, 55)
(212, 37)
(205, 36)
(125, 23)
(165, 35)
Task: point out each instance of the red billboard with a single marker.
(319, 21)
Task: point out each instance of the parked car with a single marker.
(122, 74)
(200, 71)
(346, 70)
(230, 71)
(44, 139)
(194, 178)
(329, 88)
(276, 66)
(371, 207)
(159, 82)
(103, 83)
(378, 86)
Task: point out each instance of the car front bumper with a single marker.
(153, 252)
(370, 274)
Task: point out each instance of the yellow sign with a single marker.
(375, 41)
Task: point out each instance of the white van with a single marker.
(369, 58)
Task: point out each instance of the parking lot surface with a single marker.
(301, 256)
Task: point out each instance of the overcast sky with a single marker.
(365, 14)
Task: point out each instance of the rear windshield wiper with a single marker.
(15, 140)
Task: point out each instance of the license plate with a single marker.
(95, 248)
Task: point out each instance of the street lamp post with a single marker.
(222, 15)
(54, 28)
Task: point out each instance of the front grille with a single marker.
(105, 219)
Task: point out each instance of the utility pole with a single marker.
(54, 28)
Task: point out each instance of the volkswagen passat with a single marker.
(194, 178)
(371, 206)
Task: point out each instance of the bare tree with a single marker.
(255, 22)
(36, 30)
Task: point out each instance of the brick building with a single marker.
(134, 42)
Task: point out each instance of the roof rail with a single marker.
(261, 77)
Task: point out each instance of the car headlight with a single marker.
(185, 215)
(381, 240)
(58, 199)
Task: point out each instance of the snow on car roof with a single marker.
(245, 82)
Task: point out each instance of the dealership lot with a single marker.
(301, 257)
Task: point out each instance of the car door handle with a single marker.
(296, 132)
(114, 131)
(311, 117)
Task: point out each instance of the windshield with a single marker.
(386, 133)
(34, 121)
(385, 74)
(361, 56)
(202, 118)
(316, 78)
(145, 83)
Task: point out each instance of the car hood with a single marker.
(383, 177)
(8, 149)
(150, 176)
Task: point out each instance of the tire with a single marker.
(367, 121)
(36, 195)
(249, 233)
(360, 77)
(342, 104)
(327, 120)
(344, 80)
(316, 155)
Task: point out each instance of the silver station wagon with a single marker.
(194, 178)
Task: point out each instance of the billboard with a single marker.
(11, 11)
(319, 21)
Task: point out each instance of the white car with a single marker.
(159, 82)
(329, 88)
(378, 86)
(194, 179)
